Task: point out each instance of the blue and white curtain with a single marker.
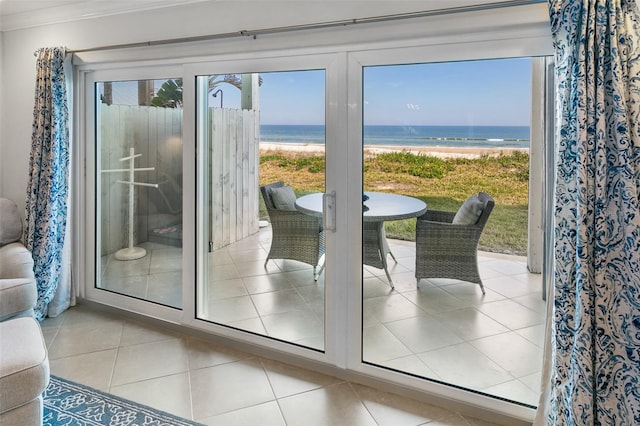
(594, 361)
(47, 190)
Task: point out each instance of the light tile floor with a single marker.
(214, 384)
(445, 329)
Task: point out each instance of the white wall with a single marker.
(1, 109)
(18, 74)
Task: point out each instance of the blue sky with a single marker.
(490, 92)
(496, 92)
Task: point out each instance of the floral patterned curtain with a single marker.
(595, 334)
(46, 204)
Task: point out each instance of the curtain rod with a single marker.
(320, 25)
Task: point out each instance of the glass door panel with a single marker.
(453, 303)
(262, 138)
(139, 187)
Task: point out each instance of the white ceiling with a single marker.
(15, 14)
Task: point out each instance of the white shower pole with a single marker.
(131, 252)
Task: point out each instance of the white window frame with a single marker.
(326, 62)
(510, 32)
(87, 256)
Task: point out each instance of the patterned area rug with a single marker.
(68, 403)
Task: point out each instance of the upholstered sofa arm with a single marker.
(18, 292)
(15, 261)
(17, 297)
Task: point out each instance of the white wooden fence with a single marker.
(234, 159)
(156, 133)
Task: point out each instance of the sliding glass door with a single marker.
(285, 199)
(262, 141)
(139, 189)
(447, 294)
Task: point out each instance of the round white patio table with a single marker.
(380, 207)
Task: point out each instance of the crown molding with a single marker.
(14, 15)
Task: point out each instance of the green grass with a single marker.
(442, 183)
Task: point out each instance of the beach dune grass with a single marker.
(443, 183)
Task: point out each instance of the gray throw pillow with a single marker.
(10, 222)
(284, 198)
(469, 212)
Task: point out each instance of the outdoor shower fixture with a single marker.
(215, 95)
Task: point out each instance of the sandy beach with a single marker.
(369, 150)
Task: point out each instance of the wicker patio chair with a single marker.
(376, 248)
(295, 235)
(447, 250)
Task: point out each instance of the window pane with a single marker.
(440, 133)
(263, 137)
(139, 178)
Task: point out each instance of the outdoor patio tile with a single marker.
(514, 390)
(376, 287)
(512, 314)
(391, 308)
(165, 288)
(434, 299)
(121, 268)
(245, 244)
(241, 256)
(404, 281)
(532, 381)
(232, 309)
(469, 323)
(314, 298)
(219, 257)
(252, 325)
(293, 326)
(508, 286)
(276, 302)
(225, 289)
(411, 364)
(532, 301)
(471, 295)
(286, 265)
(534, 334)
(380, 345)
(257, 268)
(505, 267)
(165, 260)
(266, 283)
(421, 334)
(134, 286)
(512, 352)
(464, 365)
(223, 272)
(303, 277)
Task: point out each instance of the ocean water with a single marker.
(454, 136)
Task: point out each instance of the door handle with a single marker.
(329, 211)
